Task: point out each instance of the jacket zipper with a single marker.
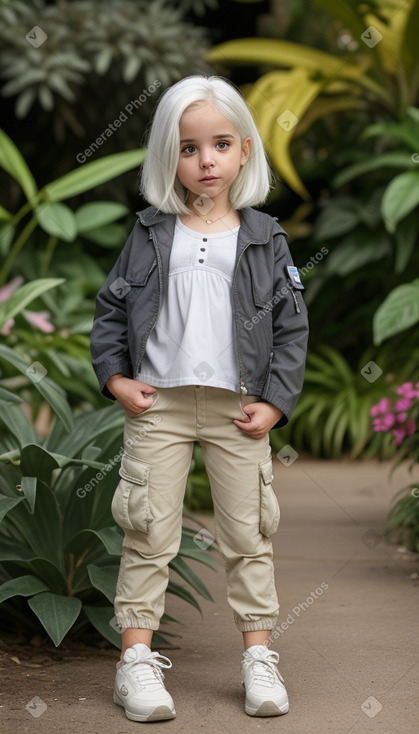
(243, 388)
(294, 295)
(160, 269)
(268, 371)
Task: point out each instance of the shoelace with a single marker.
(148, 670)
(264, 667)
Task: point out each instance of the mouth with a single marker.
(208, 178)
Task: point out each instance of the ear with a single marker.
(246, 150)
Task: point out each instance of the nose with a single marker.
(207, 159)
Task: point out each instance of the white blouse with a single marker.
(193, 340)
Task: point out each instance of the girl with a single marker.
(200, 333)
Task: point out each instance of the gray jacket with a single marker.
(269, 314)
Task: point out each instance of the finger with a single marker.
(246, 426)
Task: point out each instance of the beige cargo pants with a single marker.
(148, 503)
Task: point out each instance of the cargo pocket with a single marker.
(269, 507)
(130, 504)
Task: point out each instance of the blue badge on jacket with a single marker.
(295, 277)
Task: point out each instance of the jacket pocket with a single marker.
(140, 279)
(130, 504)
(269, 507)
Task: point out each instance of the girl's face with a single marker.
(211, 153)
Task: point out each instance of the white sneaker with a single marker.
(266, 694)
(139, 686)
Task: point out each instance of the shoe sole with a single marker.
(160, 713)
(268, 708)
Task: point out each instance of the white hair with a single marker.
(159, 183)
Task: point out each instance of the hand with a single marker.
(135, 396)
(262, 417)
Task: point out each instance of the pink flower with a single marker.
(408, 391)
(7, 290)
(402, 417)
(399, 434)
(384, 423)
(403, 404)
(40, 320)
(406, 430)
(7, 327)
(381, 407)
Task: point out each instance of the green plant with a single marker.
(300, 85)
(333, 414)
(59, 546)
(403, 522)
(45, 209)
(45, 236)
(123, 42)
(198, 492)
(398, 416)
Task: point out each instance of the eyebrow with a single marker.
(214, 137)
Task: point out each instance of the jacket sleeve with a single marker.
(290, 335)
(108, 339)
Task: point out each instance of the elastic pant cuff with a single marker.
(137, 622)
(264, 623)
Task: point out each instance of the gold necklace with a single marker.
(211, 221)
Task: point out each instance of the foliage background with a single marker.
(347, 181)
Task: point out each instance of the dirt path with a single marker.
(347, 631)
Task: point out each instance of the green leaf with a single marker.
(340, 216)
(179, 565)
(405, 132)
(356, 251)
(21, 586)
(35, 461)
(92, 174)
(7, 504)
(400, 197)
(405, 234)
(22, 296)
(109, 537)
(52, 392)
(56, 613)
(28, 485)
(18, 424)
(4, 214)
(393, 159)
(182, 593)
(111, 235)
(7, 232)
(57, 220)
(13, 162)
(9, 397)
(104, 578)
(345, 12)
(398, 312)
(98, 213)
(103, 619)
(41, 530)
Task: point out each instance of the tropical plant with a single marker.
(126, 43)
(398, 223)
(398, 416)
(333, 414)
(59, 546)
(86, 75)
(46, 236)
(300, 85)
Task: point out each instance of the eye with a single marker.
(189, 149)
(222, 144)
